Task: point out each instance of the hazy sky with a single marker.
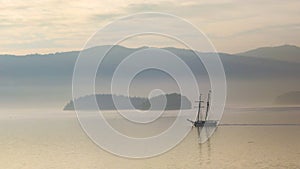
(43, 26)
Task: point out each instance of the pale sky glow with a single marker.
(232, 25)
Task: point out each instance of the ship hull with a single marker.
(205, 123)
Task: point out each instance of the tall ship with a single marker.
(203, 121)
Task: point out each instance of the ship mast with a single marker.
(199, 108)
(207, 104)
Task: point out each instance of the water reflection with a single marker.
(204, 149)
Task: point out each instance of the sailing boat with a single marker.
(199, 122)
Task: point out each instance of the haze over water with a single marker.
(34, 140)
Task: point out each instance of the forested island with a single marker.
(174, 101)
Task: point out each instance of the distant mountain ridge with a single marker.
(46, 79)
(289, 53)
(107, 102)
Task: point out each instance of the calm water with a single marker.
(35, 140)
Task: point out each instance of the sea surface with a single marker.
(247, 138)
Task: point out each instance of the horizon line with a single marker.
(80, 50)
